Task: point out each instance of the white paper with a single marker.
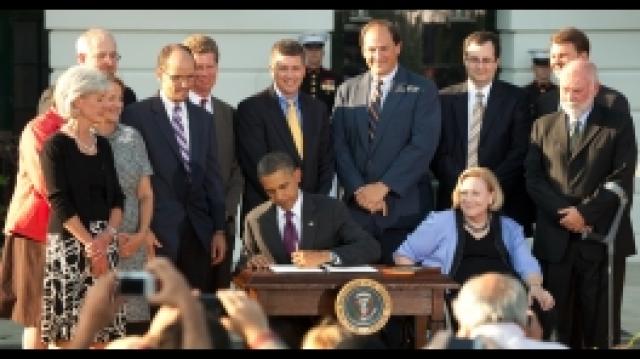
(291, 268)
(354, 269)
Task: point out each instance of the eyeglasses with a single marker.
(111, 55)
(180, 78)
(476, 60)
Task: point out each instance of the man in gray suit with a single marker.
(384, 144)
(206, 54)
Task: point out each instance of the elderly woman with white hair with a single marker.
(86, 206)
(473, 238)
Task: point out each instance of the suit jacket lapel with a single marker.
(592, 127)
(560, 135)
(280, 121)
(195, 134)
(362, 90)
(308, 128)
(461, 115)
(492, 112)
(272, 237)
(161, 119)
(308, 223)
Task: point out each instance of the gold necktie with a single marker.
(294, 126)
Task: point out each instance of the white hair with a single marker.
(76, 81)
(83, 42)
(491, 298)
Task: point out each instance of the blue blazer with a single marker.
(405, 142)
(176, 198)
(434, 244)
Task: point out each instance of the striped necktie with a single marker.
(181, 136)
(474, 130)
(574, 135)
(375, 108)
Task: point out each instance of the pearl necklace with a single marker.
(92, 148)
(477, 231)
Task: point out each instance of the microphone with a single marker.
(616, 189)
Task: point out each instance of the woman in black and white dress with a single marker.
(86, 202)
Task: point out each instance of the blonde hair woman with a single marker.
(473, 238)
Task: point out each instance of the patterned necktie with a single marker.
(474, 130)
(574, 135)
(375, 108)
(181, 136)
(294, 126)
(289, 234)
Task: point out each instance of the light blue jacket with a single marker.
(434, 243)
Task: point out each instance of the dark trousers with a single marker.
(194, 261)
(578, 283)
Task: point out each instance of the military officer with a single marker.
(318, 82)
(541, 79)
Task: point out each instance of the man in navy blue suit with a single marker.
(188, 215)
(383, 158)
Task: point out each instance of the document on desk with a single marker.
(353, 269)
(291, 268)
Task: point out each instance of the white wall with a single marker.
(244, 38)
(615, 48)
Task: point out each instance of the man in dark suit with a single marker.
(498, 142)
(322, 228)
(188, 213)
(206, 55)
(573, 152)
(282, 118)
(566, 45)
(383, 157)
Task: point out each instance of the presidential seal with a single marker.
(363, 306)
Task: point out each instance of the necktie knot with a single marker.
(177, 109)
(203, 102)
(479, 98)
(288, 215)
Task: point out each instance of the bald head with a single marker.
(490, 298)
(578, 87)
(97, 48)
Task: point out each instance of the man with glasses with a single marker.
(485, 122)
(96, 48)
(188, 211)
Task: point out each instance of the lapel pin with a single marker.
(310, 223)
